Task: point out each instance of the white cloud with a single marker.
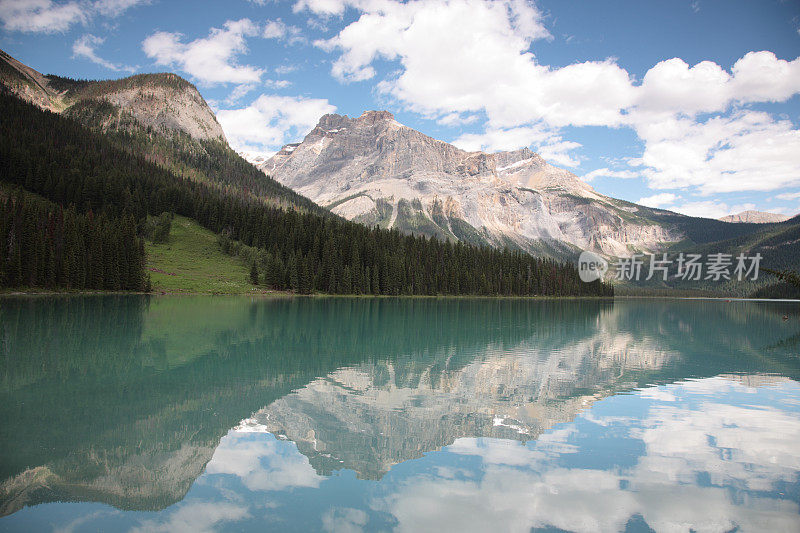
(789, 196)
(608, 173)
(493, 140)
(40, 16)
(271, 121)
(558, 153)
(322, 7)
(746, 151)
(239, 92)
(550, 146)
(456, 119)
(114, 8)
(277, 29)
(704, 209)
(85, 47)
(277, 84)
(658, 200)
(46, 16)
(210, 60)
(274, 29)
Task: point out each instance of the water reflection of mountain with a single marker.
(123, 400)
(371, 416)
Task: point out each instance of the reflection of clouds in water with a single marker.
(262, 463)
(510, 496)
(657, 393)
(711, 460)
(79, 522)
(195, 517)
(734, 447)
(344, 520)
(752, 447)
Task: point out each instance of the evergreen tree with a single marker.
(254, 274)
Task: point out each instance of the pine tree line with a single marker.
(61, 160)
(44, 245)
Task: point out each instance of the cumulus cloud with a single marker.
(40, 16)
(210, 60)
(239, 92)
(473, 57)
(323, 7)
(277, 84)
(789, 196)
(658, 200)
(745, 151)
(549, 145)
(608, 173)
(695, 208)
(271, 121)
(46, 16)
(85, 47)
(503, 139)
(277, 29)
(114, 8)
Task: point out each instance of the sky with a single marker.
(687, 105)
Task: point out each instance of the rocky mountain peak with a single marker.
(163, 101)
(371, 117)
(374, 170)
(757, 217)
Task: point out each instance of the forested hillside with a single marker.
(44, 245)
(210, 161)
(63, 161)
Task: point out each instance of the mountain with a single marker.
(163, 102)
(132, 177)
(374, 170)
(161, 117)
(756, 217)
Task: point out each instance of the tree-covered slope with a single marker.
(65, 162)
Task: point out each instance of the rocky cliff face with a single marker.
(756, 217)
(374, 170)
(164, 102)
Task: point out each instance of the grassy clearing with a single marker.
(192, 262)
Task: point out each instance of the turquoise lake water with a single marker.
(132, 413)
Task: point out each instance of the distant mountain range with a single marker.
(757, 217)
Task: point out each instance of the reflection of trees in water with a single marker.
(123, 399)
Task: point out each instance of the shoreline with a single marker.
(286, 294)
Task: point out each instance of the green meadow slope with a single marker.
(192, 262)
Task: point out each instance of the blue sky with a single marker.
(687, 105)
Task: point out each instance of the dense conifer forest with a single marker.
(92, 188)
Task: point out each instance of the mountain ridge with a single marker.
(374, 170)
(162, 101)
(755, 217)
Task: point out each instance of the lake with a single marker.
(135, 413)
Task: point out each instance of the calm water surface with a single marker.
(206, 414)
